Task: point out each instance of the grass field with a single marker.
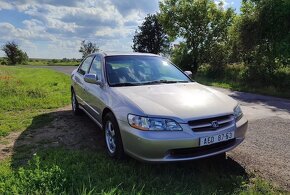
(26, 93)
(59, 171)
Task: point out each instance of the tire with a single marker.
(74, 103)
(112, 137)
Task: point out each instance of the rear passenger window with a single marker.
(85, 65)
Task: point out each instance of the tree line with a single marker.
(257, 38)
(15, 55)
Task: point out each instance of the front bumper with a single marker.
(183, 145)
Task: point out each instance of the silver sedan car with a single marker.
(151, 110)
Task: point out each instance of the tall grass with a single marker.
(235, 77)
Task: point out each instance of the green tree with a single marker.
(260, 37)
(151, 38)
(14, 54)
(202, 25)
(88, 48)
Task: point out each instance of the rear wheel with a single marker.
(112, 136)
(74, 103)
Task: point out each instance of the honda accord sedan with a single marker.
(151, 110)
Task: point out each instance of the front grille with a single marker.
(201, 125)
(203, 150)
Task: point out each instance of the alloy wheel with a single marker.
(110, 137)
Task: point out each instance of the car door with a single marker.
(95, 92)
(79, 83)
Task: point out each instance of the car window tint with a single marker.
(85, 65)
(96, 67)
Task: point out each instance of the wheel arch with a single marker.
(105, 112)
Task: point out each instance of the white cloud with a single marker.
(34, 25)
(5, 5)
(8, 32)
(55, 28)
(114, 32)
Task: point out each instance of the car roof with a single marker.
(124, 54)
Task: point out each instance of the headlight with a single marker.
(238, 112)
(153, 124)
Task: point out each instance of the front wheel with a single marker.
(113, 140)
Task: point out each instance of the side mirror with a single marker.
(188, 73)
(92, 78)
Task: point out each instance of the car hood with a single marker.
(183, 101)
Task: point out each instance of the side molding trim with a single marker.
(88, 105)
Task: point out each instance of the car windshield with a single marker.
(141, 70)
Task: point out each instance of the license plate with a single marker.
(216, 138)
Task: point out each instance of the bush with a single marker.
(54, 61)
(235, 72)
(232, 72)
(282, 78)
(250, 76)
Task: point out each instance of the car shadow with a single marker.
(65, 131)
(78, 134)
(273, 103)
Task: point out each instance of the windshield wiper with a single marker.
(124, 84)
(163, 81)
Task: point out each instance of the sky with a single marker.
(55, 28)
